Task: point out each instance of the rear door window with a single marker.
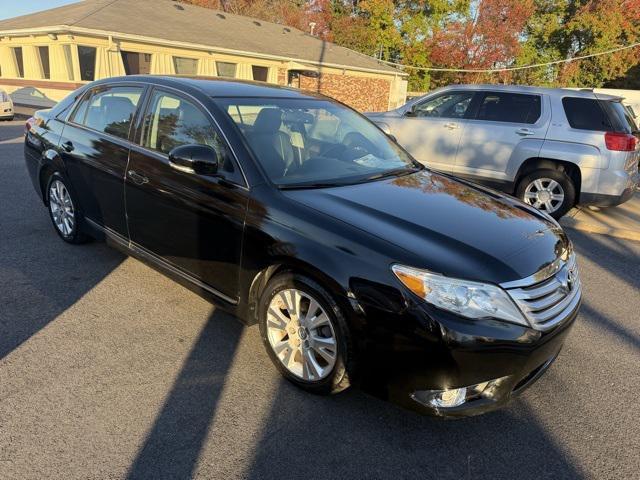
(109, 110)
(509, 107)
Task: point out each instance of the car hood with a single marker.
(445, 225)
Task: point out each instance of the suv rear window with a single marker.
(620, 117)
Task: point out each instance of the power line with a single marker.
(509, 69)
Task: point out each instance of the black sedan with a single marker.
(294, 212)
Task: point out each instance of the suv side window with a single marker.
(172, 121)
(586, 114)
(109, 110)
(447, 105)
(510, 107)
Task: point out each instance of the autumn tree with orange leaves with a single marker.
(470, 34)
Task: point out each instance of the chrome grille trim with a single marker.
(547, 302)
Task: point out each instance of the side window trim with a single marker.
(142, 127)
(91, 91)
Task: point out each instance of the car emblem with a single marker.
(572, 277)
(563, 278)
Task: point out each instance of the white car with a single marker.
(6, 106)
(552, 148)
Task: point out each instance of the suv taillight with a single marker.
(620, 142)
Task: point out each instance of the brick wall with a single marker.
(365, 94)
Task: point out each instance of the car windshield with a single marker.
(303, 143)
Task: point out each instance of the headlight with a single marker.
(469, 299)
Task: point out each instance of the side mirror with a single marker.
(411, 111)
(198, 159)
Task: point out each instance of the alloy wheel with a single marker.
(301, 335)
(544, 194)
(62, 209)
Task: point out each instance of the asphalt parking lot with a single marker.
(110, 370)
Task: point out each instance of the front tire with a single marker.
(551, 191)
(64, 210)
(305, 334)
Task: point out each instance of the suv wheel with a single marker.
(63, 210)
(551, 191)
(305, 334)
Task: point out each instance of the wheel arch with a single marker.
(51, 163)
(537, 163)
(295, 266)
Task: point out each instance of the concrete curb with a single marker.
(627, 234)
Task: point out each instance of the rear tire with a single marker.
(550, 191)
(64, 210)
(311, 349)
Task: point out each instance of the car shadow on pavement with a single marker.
(294, 434)
(40, 275)
(172, 447)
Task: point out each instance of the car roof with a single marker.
(564, 92)
(219, 86)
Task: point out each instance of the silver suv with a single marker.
(552, 148)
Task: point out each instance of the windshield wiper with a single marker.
(300, 186)
(391, 173)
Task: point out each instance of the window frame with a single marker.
(141, 127)
(482, 94)
(466, 116)
(253, 75)
(19, 64)
(95, 61)
(139, 53)
(175, 57)
(42, 63)
(86, 95)
(235, 70)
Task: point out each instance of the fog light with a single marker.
(449, 398)
(454, 397)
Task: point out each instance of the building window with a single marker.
(87, 57)
(185, 66)
(17, 54)
(226, 69)
(260, 73)
(43, 52)
(136, 63)
(68, 60)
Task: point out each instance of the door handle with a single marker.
(451, 125)
(525, 131)
(137, 178)
(68, 146)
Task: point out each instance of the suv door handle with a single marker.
(137, 178)
(525, 131)
(68, 146)
(451, 125)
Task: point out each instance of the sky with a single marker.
(14, 8)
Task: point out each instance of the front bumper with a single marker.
(455, 353)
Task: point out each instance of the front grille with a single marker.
(546, 302)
